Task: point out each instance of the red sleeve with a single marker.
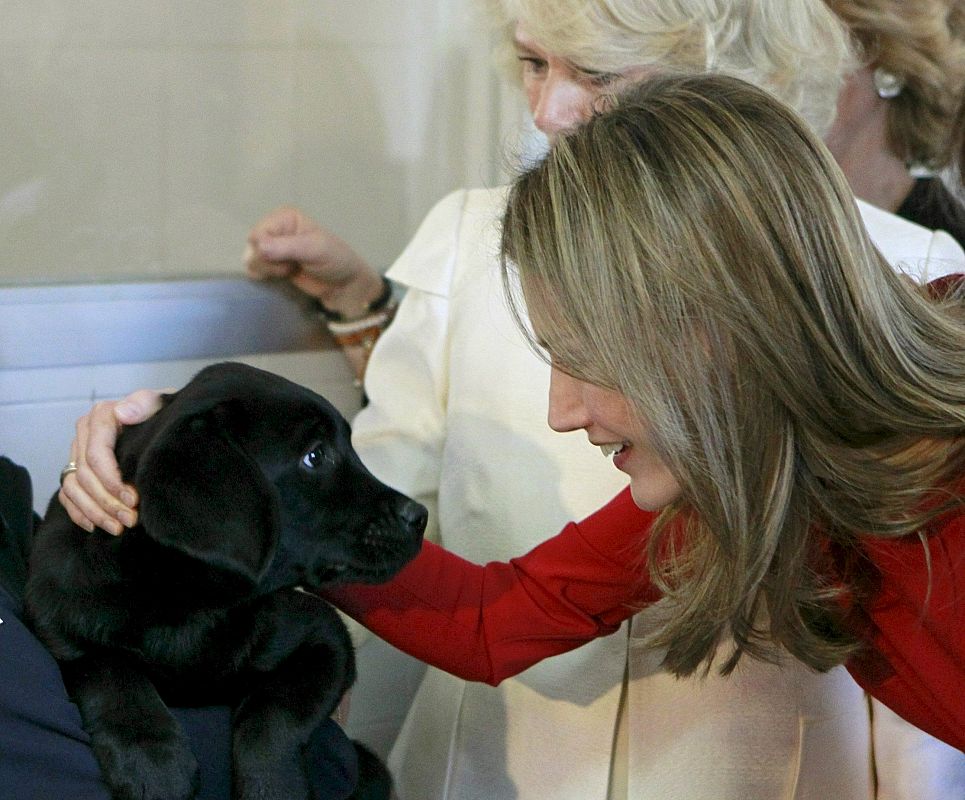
(946, 285)
(488, 623)
(916, 663)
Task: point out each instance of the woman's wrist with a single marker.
(358, 335)
(356, 301)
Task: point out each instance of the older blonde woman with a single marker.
(457, 419)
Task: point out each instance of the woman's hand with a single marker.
(95, 495)
(287, 244)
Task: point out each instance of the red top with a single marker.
(488, 623)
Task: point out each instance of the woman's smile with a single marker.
(612, 425)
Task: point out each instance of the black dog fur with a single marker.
(249, 488)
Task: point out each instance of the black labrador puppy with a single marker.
(250, 489)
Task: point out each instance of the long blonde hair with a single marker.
(697, 249)
(797, 49)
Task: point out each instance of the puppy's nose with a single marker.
(412, 514)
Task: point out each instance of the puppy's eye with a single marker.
(316, 458)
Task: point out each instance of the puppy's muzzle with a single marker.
(400, 533)
(412, 516)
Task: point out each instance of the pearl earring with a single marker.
(887, 84)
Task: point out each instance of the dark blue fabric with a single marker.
(44, 750)
(332, 762)
(17, 521)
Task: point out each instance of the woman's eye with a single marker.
(531, 65)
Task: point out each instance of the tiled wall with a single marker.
(142, 139)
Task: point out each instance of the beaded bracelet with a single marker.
(360, 332)
(358, 337)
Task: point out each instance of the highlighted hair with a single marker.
(697, 249)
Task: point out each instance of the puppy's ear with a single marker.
(202, 494)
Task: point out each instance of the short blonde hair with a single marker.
(796, 49)
(698, 249)
(923, 43)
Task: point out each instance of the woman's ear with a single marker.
(202, 494)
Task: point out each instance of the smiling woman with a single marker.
(612, 424)
(788, 378)
(815, 423)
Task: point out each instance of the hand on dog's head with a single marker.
(256, 477)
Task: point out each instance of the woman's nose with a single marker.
(566, 409)
(562, 104)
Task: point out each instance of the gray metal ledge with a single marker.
(108, 323)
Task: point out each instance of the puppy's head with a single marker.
(256, 476)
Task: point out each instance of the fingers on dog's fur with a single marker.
(79, 512)
(97, 434)
(88, 512)
(96, 437)
(86, 500)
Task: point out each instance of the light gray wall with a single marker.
(142, 139)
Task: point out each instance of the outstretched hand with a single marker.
(95, 495)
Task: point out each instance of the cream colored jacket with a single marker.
(457, 418)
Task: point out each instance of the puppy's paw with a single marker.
(158, 770)
(271, 782)
(375, 781)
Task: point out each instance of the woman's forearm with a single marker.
(487, 623)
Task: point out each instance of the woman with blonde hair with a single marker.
(457, 419)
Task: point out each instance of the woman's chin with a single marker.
(654, 495)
